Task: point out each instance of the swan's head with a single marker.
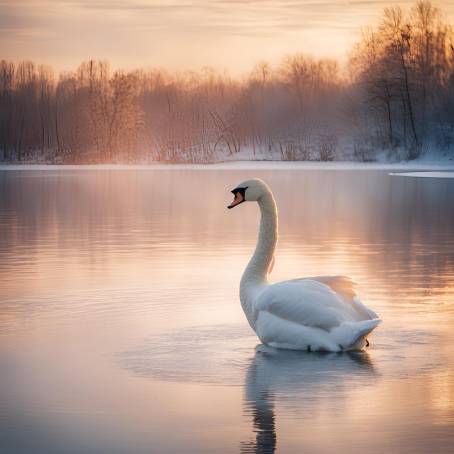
(249, 191)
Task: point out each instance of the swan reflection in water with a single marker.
(294, 379)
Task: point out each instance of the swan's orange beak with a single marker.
(237, 200)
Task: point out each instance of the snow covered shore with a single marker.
(417, 165)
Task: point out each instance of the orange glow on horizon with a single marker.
(189, 35)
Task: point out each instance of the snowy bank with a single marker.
(417, 165)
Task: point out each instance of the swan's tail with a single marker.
(352, 335)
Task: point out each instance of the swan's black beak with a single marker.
(239, 197)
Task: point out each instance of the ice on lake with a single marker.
(426, 174)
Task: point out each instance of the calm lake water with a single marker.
(121, 330)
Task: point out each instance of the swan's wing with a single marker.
(304, 301)
(345, 288)
(342, 285)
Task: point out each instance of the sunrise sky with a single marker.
(184, 34)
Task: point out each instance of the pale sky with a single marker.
(184, 34)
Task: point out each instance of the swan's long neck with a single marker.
(256, 272)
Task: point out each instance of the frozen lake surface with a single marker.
(425, 174)
(121, 329)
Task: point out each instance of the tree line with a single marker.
(395, 96)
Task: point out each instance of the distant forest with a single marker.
(394, 97)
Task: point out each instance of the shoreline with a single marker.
(244, 165)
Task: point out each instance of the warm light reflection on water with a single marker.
(121, 329)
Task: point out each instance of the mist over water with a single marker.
(121, 328)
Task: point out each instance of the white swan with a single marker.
(316, 313)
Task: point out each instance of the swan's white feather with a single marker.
(280, 333)
(308, 314)
(305, 301)
(344, 287)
